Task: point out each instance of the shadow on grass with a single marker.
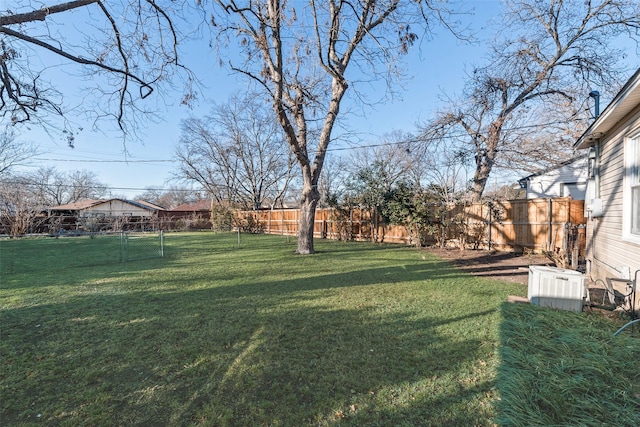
(202, 356)
(389, 345)
(226, 263)
(207, 357)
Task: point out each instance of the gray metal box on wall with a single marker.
(556, 287)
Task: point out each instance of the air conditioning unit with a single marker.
(556, 287)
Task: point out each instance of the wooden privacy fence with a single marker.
(552, 225)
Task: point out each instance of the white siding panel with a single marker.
(607, 251)
(549, 184)
(118, 208)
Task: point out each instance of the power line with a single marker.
(106, 161)
(96, 187)
(359, 147)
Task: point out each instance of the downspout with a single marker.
(596, 183)
(596, 166)
(596, 97)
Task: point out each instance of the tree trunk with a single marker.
(310, 198)
(479, 183)
(485, 159)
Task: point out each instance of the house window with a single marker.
(575, 190)
(632, 189)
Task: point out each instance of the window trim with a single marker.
(631, 155)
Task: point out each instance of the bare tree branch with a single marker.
(127, 41)
(42, 14)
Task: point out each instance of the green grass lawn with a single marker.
(220, 334)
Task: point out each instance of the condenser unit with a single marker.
(556, 287)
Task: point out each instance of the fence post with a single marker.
(123, 255)
(489, 226)
(282, 232)
(350, 234)
(549, 224)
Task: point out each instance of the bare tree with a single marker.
(237, 153)
(300, 54)
(393, 154)
(51, 187)
(549, 56)
(169, 198)
(12, 152)
(130, 44)
(20, 211)
(447, 174)
(332, 182)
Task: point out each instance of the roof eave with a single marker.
(621, 105)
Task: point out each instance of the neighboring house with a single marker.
(150, 205)
(65, 217)
(203, 206)
(613, 195)
(567, 179)
(106, 214)
(73, 209)
(188, 215)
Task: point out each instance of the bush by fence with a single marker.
(540, 225)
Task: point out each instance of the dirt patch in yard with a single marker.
(506, 266)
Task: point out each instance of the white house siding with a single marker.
(551, 182)
(117, 208)
(608, 253)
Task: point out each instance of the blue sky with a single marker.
(433, 67)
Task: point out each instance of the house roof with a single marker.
(622, 104)
(147, 205)
(89, 203)
(552, 168)
(77, 206)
